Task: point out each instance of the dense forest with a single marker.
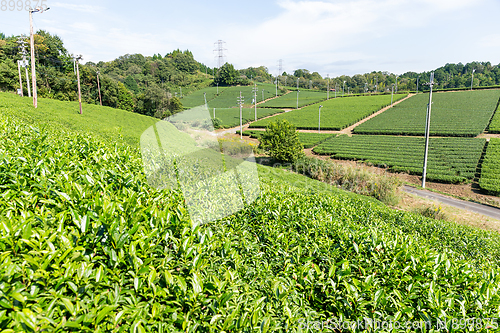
(154, 85)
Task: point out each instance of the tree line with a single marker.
(154, 85)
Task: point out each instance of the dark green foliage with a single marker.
(131, 84)
(281, 141)
(227, 75)
(490, 169)
(465, 113)
(451, 160)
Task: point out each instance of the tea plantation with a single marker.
(451, 160)
(336, 114)
(228, 96)
(289, 101)
(490, 169)
(464, 113)
(87, 246)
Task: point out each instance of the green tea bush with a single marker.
(87, 246)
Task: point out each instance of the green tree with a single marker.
(227, 75)
(281, 141)
(175, 105)
(125, 99)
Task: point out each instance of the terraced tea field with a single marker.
(231, 117)
(464, 113)
(336, 114)
(228, 96)
(308, 140)
(88, 246)
(451, 160)
(289, 101)
(490, 170)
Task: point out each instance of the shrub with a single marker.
(281, 141)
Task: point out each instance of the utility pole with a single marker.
(427, 130)
(298, 91)
(20, 77)
(205, 96)
(214, 113)
(472, 81)
(276, 86)
(336, 89)
(392, 94)
(396, 84)
(366, 88)
(376, 84)
(319, 119)
(99, 88)
(255, 99)
(78, 58)
(240, 103)
(280, 68)
(418, 77)
(343, 88)
(32, 44)
(328, 87)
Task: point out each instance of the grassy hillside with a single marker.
(87, 246)
(96, 120)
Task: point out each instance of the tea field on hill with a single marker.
(228, 96)
(289, 101)
(86, 245)
(336, 114)
(463, 113)
(490, 169)
(451, 160)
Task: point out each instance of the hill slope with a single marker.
(87, 245)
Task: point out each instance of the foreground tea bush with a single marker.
(87, 246)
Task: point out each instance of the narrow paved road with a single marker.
(467, 205)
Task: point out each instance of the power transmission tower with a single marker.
(24, 63)
(427, 128)
(77, 59)
(20, 77)
(219, 48)
(240, 103)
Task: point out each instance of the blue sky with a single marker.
(328, 36)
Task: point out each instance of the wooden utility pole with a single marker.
(32, 43)
(20, 77)
(99, 88)
(78, 81)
